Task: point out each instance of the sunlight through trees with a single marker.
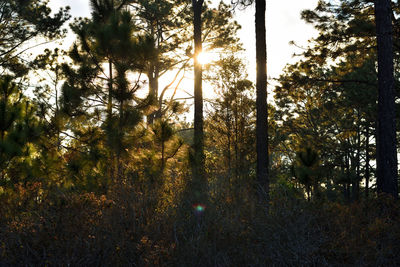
(104, 162)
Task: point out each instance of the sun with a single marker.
(204, 58)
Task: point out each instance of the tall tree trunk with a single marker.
(236, 144)
(57, 108)
(153, 75)
(120, 130)
(228, 135)
(261, 101)
(243, 168)
(110, 90)
(109, 116)
(386, 132)
(198, 145)
(356, 181)
(367, 161)
(348, 174)
(3, 131)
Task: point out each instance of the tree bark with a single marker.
(367, 172)
(261, 101)
(348, 174)
(386, 132)
(153, 75)
(110, 90)
(109, 116)
(356, 181)
(198, 144)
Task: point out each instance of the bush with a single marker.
(126, 227)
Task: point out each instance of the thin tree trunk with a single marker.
(242, 165)
(356, 181)
(236, 145)
(347, 184)
(2, 131)
(386, 132)
(109, 116)
(261, 102)
(198, 159)
(153, 73)
(367, 161)
(110, 90)
(57, 109)
(120, 130)
(228, 131)
(153, 76)
(342, 169)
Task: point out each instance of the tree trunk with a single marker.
(386, 132)
(120, 130)
(3, 131)
(356, 181)
(261, 102)
(153, 75)
(367, 161)
(109, 116)
(348, 178)
(110, 90)
(228, 135)
(57, 109)
(236, 144)
(198, 144)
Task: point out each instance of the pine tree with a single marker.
(261, 101)
(19, 130)
(23, 21)
(387, 176)
(198, 167)
(98, 92)
(229, 128)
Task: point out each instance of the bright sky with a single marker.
(283, 25)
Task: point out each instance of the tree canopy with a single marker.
(128, 149)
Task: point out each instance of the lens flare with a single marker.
(199, 208)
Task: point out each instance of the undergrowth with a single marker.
(125, 228)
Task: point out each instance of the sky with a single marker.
(283, 25)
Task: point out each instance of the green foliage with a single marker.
(306, 169)
(22, 21)
(19, 130)
(87, 180)
(330, 95)
(229, 126)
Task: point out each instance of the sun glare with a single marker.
(204, 58)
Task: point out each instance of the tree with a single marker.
(166, 22)
(169, 24)
(19, 130)
(230, 145)
(98, 93)
(199, 179)
(363, 33)
(22, 21)
(261, 100)
(335, 107)
(305, 170)
(387, 177)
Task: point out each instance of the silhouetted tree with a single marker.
(386, 160)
